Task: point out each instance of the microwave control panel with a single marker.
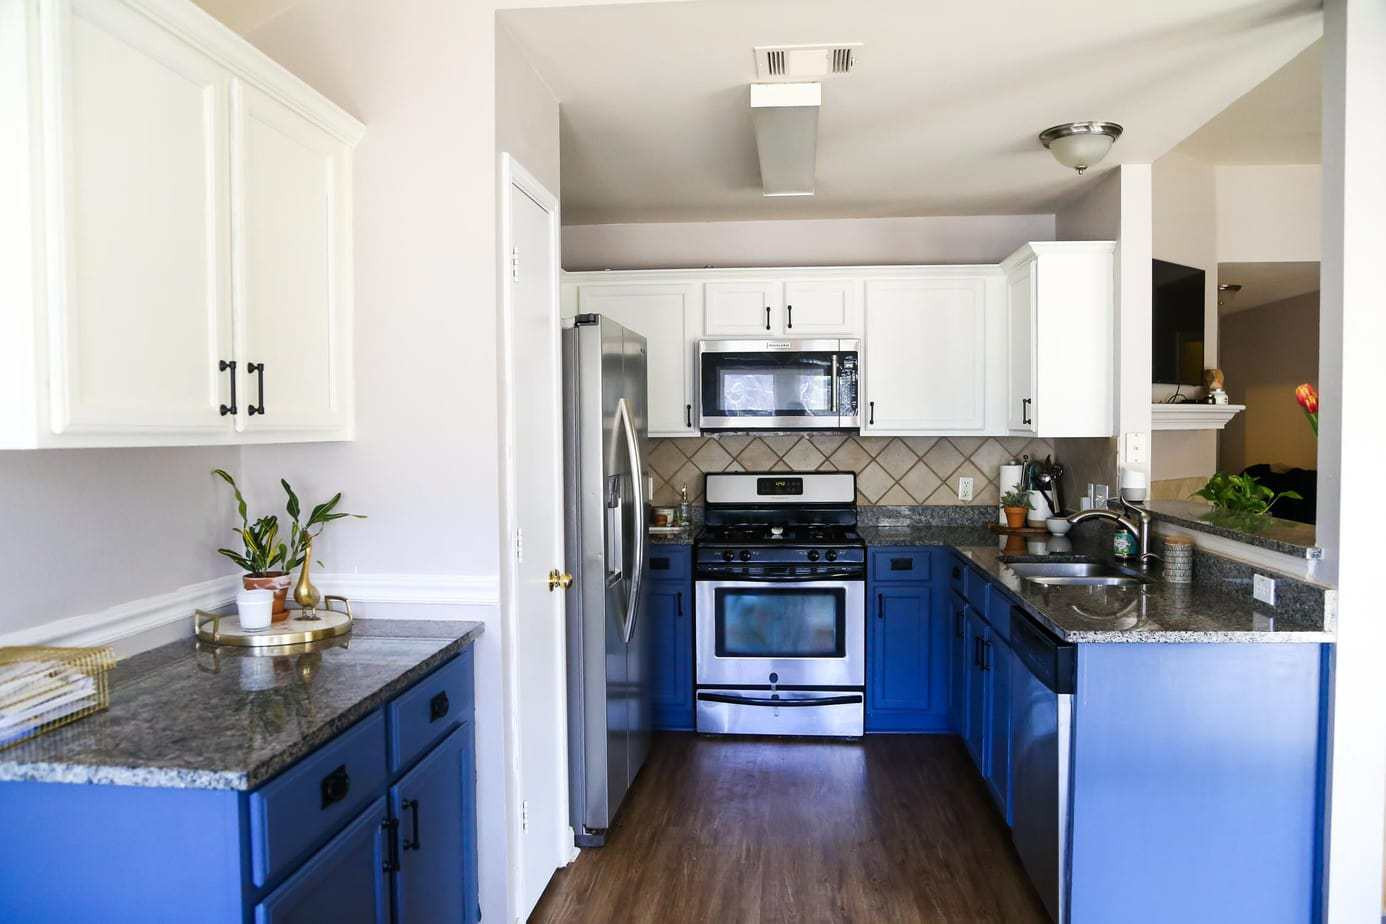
(847, 384)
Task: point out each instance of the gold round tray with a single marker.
(301, 627)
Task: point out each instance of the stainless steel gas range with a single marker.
(780, 605)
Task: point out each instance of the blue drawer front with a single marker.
(670, 563)
(315, 797)
(429, 710)
(900, 564)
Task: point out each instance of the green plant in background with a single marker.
(262, 553)
(1016, 497)
(1240, 500)
(302, 534)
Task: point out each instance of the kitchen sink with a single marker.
(1076, 573)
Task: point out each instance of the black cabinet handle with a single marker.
(880, 606)
(872, 420)
(257, 369)
(678, 602)
(1025, 410)
(412, 807)
(438, 706)
(390, 826)
(767, 317)
(335, 786)
(688, 414)
(789, 311)
(229, 366)
(957, 572)
(957, 624)
(986, 654)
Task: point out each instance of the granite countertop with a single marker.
(1156, 612)
(224, 719)
(1284, 536)
(682, 537)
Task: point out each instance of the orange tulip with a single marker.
(1308, 398)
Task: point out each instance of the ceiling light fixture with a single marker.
(1080, 144)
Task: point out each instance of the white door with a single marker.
(290, 185)
(141, 313)
(1020, 348)
(533, 613)
(925, 363)
(669, 317)
(742, 309)
(831, 307)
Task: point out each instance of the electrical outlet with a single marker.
(965, 489)
(1263, 589)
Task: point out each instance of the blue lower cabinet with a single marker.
(344, 881)
(906, 646)
(670, 613)
(977, 690)
(996, 672)
(957, 663)
(434, 807)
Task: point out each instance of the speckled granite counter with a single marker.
(189, 719)
(1155, 612)
(682, 537)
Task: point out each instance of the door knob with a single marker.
(559, 579)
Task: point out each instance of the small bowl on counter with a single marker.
(1058, 526)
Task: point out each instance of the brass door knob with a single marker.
(559, 579)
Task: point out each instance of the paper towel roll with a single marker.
(1009, 480)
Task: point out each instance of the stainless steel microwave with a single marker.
(777, 384)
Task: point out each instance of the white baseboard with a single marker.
(136, 617)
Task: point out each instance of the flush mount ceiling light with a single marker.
(785, 118)
(1080, 144)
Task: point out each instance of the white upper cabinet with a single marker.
(925, 364)
(158, 224)
(669, 317)
(822, 308)
(744, 308)
(1061, 316)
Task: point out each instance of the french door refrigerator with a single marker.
(609, 662)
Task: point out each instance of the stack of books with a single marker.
(42, 688)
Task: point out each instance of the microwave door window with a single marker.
(755, 385)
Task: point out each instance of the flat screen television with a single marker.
(1177, 338)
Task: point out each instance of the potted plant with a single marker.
(263, 557)
(1240, 501)
(1016, 503)
(301, 536)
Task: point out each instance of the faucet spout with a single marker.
(1137, 523)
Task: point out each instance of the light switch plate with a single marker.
(1135, 448)
(1263, 589)
(965, 489)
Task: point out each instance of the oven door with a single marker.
(779, 385)
(806, 633)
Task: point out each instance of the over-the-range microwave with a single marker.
(777, 384)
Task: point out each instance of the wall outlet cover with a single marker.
(965, 489)
(1263, 589)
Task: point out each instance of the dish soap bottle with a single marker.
(685, 508)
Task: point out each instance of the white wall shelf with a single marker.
(1192, 416)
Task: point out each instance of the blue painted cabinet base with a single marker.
(907, 644)
(670, 613)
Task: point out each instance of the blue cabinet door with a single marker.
(670, 613)
(900, 649)
(975, 636)
(343, 882)
(996, 666)
(957, 664)
(434, 805)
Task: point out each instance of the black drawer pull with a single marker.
(390, 827)
(335, 786)
(438, 706)
(660, 563)
(880, 606)
(412, 807)
(902, 564)
(957, 573)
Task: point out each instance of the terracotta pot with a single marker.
(1015, 517)
(277, 581)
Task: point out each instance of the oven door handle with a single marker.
(844, 575)
(846, 699)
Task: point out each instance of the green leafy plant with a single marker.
(1240, 499)
(1016, 497)
(262, 552)
(300, 534)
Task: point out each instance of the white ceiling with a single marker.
(1264, 283)
(939, 117)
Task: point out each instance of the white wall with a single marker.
(526, 112)
(828, 242)
(1183, 454)
(1184, 206)
(1269, 213)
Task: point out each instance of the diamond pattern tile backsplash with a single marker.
(890, 470)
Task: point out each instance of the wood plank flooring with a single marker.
(732, 830)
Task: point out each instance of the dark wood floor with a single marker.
(737, 831)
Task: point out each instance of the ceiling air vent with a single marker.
(806, 62)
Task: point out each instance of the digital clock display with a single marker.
(779, 487)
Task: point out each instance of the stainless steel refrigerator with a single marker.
(609, 707)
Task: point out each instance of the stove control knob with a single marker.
(813, 555)
(832, 555)
(727, 555)
(745, 555)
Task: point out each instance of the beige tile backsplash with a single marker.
(890, 470)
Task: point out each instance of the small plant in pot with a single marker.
(1240, 501)
(1016, 504)
(263, 557)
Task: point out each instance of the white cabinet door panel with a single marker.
(139, 305)
(830, 307)
(669, 317)
(743, 309)
(290, 193)
(925, 363)
(1020, 321)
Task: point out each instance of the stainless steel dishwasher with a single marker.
(1042, 679)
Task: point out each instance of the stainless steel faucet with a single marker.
(1138, 527)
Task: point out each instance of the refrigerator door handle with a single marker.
(615, 542)
(637, 477)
